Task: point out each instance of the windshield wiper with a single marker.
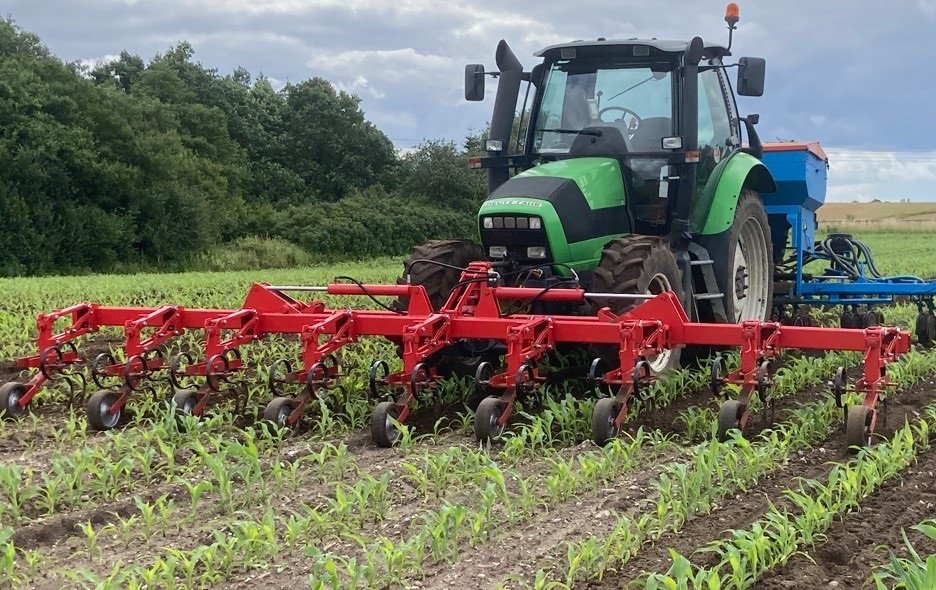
(626, 90)
(595, 133)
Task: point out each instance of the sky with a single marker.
(858, 75)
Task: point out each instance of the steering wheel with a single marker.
(634, 124)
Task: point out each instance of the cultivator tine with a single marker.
(482, 378)
(377, 377)
(839, 387)
(58, 364)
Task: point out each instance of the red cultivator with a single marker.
(473, 312)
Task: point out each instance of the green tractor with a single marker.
(629, 177)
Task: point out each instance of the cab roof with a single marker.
(615, 46)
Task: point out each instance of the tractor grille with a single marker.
(516, 241)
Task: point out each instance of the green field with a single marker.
(221, 503)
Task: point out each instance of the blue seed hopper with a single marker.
(837, 269)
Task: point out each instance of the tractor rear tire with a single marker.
(438, 280)
(636, 265)
(744, 262)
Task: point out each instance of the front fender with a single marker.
(715, 208)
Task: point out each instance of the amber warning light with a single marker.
(732, 14)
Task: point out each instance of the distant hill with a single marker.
(884, 215)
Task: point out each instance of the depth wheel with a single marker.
(10, 395)
(931, 327)
(729, 418)
(603, 416)
(99, 414)
(278, 410)
(489, 412)
(858, 426)
(383, 430)
(185, 401)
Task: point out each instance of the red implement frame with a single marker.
(472, 312)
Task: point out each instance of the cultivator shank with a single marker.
(473, 312)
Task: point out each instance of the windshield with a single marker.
(636, 98)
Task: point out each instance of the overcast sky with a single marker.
(859, 75)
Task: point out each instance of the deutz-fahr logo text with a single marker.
(515, 202)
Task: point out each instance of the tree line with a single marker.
(169, 164)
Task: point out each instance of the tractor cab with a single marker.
(624, 146)
(619, 99)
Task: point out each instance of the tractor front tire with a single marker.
(436, 266)
(637, 265)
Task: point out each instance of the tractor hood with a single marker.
(580, 201)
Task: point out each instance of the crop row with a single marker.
(714, 472)
(745, 555)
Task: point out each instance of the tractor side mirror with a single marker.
(474, 82)
(751, 76)
(537, 74)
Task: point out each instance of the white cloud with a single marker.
(862, 174)
(89, 63)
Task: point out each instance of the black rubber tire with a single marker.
(931, 327)
(438, 282)
(384, 433)
(850, 320)
(10, 394)
(722, 248)
(98, 406)
(603, 429)
(278, 410)
(921, 330)
(729, 415)
(856, 426)
(489, 411)
(185, 401)
(628, 265)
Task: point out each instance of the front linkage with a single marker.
(471, 312)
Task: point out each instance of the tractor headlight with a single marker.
(497, 251)
(536, 252)
(536, 223)
(488, 223)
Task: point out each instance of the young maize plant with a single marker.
(913, 573)
(745, 555)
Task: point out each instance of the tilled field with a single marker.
(221, 502)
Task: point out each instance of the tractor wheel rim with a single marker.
(659, 283)
(751, 267)
(108, 419)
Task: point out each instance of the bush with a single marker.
(252, 253)
(369, 223)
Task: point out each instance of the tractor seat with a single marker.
(650, 134)
(610, 143)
